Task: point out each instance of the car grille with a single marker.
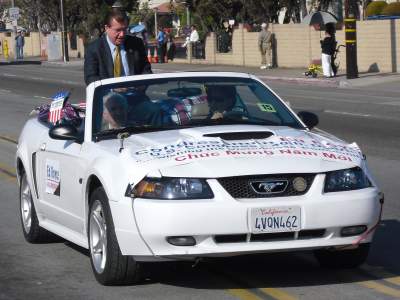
(239, 186)
(269, 237)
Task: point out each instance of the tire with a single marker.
(109, 266)
(342, 259)
(314, 74)
(33, 233)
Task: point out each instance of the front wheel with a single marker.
(342, 259)
(109, 266)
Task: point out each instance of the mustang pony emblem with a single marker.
(269, 186)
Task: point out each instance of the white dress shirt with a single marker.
(194, 36)
(123, 56)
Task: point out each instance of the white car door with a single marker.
(60, 171)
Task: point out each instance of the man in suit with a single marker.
(116, 54)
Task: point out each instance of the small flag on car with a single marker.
(82, 105)
(56, 106)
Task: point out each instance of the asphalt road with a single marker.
(370, 116)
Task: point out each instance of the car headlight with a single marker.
(173, 188)
(346, 180)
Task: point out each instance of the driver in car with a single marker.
(115, 109)
(221, 99)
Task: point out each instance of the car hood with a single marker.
(220, 151)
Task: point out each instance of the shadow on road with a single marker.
(276, 270)
(281, 270)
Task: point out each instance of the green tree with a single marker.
(82, 16)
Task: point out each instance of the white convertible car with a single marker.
(184, 166)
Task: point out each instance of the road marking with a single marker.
(243, 294)
(7, 172)
(380, 288)
(36, 78)
(8, 139)
(250, 291)
(5, 91)
(365, 280)
(265, 293)
(9, 75)
(381, 273)
(277, 294)
(334, 98)
(346, 113)
(393, 103)
(41, 97)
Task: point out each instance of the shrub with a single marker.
(375, 8)
(392, 9)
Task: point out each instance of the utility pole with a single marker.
(188, 14)
(350, 23)
(64, 39)
(15, 31)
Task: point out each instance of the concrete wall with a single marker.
(378, 46)
(35, 45)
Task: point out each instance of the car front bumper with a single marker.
(221, 226)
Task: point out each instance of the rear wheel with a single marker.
(344, 259)
(33, 233)
(110, 267)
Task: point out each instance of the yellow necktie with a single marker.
(117, 62)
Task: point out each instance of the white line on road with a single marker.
(346, 113)
(324, 98)
(9, 75)
(392, 103)
(41, 97)
(5, 91)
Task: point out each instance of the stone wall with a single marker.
(378, 46)
(35, 46)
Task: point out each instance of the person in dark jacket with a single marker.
(328, 45)
(115, 54)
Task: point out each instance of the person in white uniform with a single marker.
(328, 45)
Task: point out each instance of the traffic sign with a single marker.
(13, 12)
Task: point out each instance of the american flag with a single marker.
(56, 106)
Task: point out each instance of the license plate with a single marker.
(275, 219)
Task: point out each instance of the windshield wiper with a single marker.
(113, 133)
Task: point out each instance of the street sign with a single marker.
(13, 12)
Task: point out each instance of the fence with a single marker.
(36, 44)
(378, 46)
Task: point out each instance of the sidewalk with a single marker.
(289, 75)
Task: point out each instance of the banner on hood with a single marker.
(187, 150)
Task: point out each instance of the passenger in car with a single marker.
(115, 110)
(221, 99)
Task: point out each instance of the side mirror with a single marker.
(65, 132)
(310, 119)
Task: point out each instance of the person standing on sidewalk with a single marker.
(328, 45)
(161, 44)
(19, 43)
(264, 44)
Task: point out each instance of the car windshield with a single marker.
(182, 102)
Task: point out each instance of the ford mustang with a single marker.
(186, 166)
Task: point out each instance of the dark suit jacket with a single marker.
(99, 62)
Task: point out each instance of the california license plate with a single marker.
(275, 219)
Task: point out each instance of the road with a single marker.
(370, 116)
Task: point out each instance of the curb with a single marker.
(20, 62)
(65, 64)
(307, 81)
